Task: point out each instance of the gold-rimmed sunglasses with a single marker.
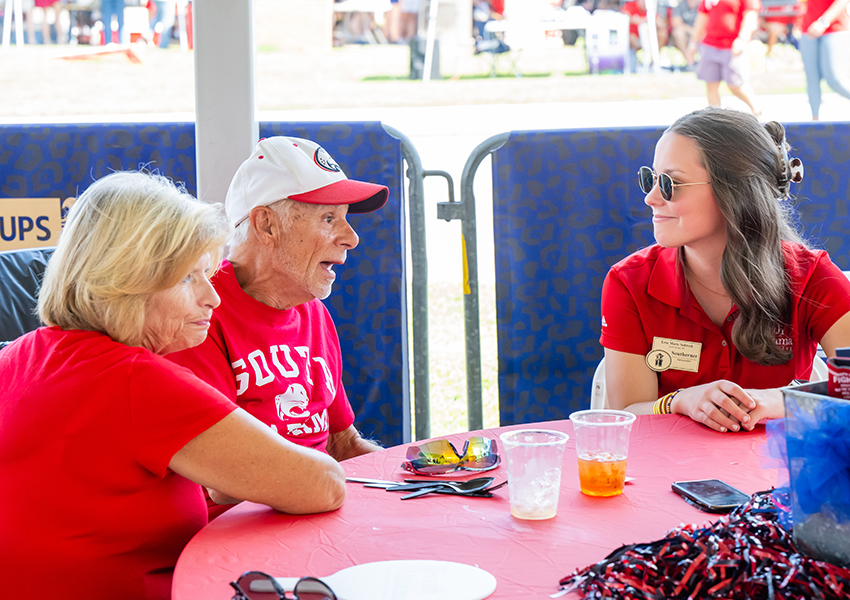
(647, 178)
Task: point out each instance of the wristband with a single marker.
(669, 401)
(662, 405)
(823, 22)
(692, 44)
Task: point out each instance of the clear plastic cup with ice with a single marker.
(534, 471)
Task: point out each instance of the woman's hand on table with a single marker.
(721, 405)
(769, 405)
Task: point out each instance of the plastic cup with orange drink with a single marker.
(602, 447)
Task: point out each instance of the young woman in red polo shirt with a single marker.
(730, 304)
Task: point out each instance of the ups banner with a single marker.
(30, 222)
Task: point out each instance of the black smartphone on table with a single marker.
(711, 495)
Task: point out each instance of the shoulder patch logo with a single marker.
(324, 160)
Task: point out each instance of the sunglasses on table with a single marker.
(647, 178)
(256, 585)
(438, 457)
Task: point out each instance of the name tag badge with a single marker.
(673, 354)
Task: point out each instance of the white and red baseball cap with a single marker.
(298, 169)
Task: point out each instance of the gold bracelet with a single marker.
(669, 401)
(662, 405)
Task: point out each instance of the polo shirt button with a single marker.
(730, 318)
(723, 343)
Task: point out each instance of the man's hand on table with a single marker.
(348, 443)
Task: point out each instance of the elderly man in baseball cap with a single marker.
(272, 346)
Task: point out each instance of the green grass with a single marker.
(467, 77)
(447, 358)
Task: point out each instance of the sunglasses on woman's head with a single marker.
(439, 456)
(647, 178)
(256, 585)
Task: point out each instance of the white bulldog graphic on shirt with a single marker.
(292, 403)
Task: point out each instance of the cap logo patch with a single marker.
(324, 161)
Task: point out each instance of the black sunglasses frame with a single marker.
(241, 594)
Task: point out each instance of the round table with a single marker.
(526, 557)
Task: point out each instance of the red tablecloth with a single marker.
(526, 557)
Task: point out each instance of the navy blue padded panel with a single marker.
(368, 301)
(567, 207)
(46, 161)
(21, 273)
(823, 197)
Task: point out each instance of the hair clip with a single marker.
(782, 179)
(796, 168)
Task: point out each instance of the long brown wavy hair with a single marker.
(746, 162)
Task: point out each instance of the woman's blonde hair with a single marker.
(130, 234)
(748, 168)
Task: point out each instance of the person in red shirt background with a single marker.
(636, 10)
(723, 30)
(778, 20)
(730, 304)
(825, 48)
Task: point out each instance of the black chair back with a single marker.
(21, 272)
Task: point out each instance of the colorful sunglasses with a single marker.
(437, 457)
(647, 178)
(256, 585)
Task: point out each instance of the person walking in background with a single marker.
(636, 11)
(723, 30)
(163, 22)
(55, 6)
(778, 22)
(392, 23)
(825, 48)
(27, 7)
(108, 8)
(682, 25)
(409, 22)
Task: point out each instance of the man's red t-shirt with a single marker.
(645, 296)
(282, 366)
